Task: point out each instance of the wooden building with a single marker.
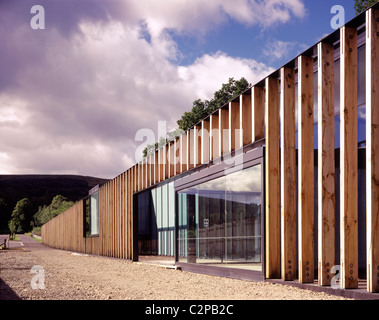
(280, 183)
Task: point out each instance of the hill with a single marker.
(40, 190)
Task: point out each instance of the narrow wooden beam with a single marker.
(258, 103)
(191, 148)
(326, 164)
(148, 170)
(224, 131)
(197, 145)
(214, 137)
(177, 156)
(246, 119)
(140, 176)
(166, 161)
(306, 169)
(372, 148)
(156, 167)
(205, 141)
(234, 126)
(272, 166)
(183, 152)
(171, 158)
(288, 173)
(349, 158)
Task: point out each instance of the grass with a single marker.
(31, 235)
(14, 238)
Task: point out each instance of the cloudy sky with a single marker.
(73, 96)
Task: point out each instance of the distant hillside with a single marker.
(40, 190)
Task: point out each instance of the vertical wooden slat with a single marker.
(156, 167)
(214, 137)
(183, 152)
(171, 157)
(197, 145)
(224, 131)
(349, 158)
(246, 118)
(177, 156)
(372, 148)
(272, 264)
(258, 103)
(234, 126)
(288, 174)
(166, 161)
(306, 169)
(191, 148)
(205, 141)
(161, 164)
(149, 162)
(326, 164)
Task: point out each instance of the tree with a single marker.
(44, 214)
(20, 216)
(362, 5)
(201, 109)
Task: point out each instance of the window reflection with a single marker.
(219, 222)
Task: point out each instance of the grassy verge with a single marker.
(31, 235)
(14, 238)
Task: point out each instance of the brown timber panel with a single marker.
(246, 119)
(214, 137)
(349, 158)
(223, 131)
(156, 167)
(183, 152)
(272, 179)
(205, 141)
(258, 103)
(177, 157)
(191, 148)
(197, 145)
(372, 148)
(288, 174)
(326, 165)
(234, 126)
(306, 169)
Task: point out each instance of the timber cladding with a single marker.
(275, 111)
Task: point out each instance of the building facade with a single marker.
(279, 183)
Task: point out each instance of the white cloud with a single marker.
(207, 73)
(276, 49)
(76, 100)
(198, 16)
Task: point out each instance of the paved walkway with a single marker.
(24, 242)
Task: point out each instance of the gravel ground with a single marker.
(72, 276)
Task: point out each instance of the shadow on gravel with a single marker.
(6, 293)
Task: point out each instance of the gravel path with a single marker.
(72, 276)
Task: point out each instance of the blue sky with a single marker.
(237, 39)
(103, 78)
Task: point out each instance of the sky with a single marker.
(84, 91)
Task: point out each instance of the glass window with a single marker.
(94, 213)
(219, 221)
(91, 222)
(156, 221)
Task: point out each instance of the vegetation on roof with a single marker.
(362, 5)
(202, 109)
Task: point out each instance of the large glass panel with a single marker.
(156, 221)
(219, 222)
(94, 213)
